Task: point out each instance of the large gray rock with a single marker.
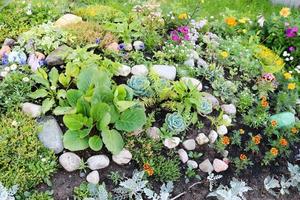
(140, 70)
(229, 109)
(98, 162)
(32, 110)
(219, 165)
(69, 161)
(192, 164)
(213, 100)
(153, 132)
(123, 158)
(165, 71)
(206, 166)
(58, 56)
(51, 135)
(67, 19)
(172, 142)
(123, 70)
(202, 139)
(9, 42)
(189, 144)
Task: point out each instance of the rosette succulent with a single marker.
(140, 85)
(175, 122)
(205, 107)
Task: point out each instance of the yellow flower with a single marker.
(243, 20)
(285, 12)
(224, 54)
(244, 31)
(231, 21)
(274, 151)
(287, 75)
(183, 16)
(291, 86)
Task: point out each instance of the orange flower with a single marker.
(274, 151)
(294, 130)
(242, 131)
(263, 98)
(243, 157)
(231, 21)
(256, 139)
(283, 142)
(225, 140)
(274, 123)
(285, 12)
(264, 104)
(148, 169)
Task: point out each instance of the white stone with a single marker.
(93, 177)
(189, 144)
(229, 109)
(183, 155)
(206, 166)
(222, 130)
(165, 71)
(154, 133)
(69, 161)
(202, 63)
(124, 157)
(192, 164)
(98, 162)
(123, 70)
(172, 142)
(189, 62)
(140, 70)
(227, 120)
(212, 99)
(202, 139)
(219, 165)
(32, 110)
(196, 83)
(67, 19)
(139, 45)
(225, 153)
(213, 135)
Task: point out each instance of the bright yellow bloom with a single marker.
(274, 151)
(243, 20)
(287, 75)
(244, 31)
(291, 86)
(183, 16)
(285, 12)
(231, 21)
(224, 54)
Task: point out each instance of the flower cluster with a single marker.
(181, 33)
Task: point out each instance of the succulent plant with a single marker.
(175, 122)
(140, 85)
(205, 107)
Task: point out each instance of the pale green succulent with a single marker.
(205, 107)
(140, 85)
(175, 122)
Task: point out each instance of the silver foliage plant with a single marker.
(276, 187)
(98, 192)
(8, 193)
(136, 187)
(235, 192)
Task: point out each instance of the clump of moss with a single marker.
(24, 160)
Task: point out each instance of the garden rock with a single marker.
(69, 161)
(67, 19)
(202, 139)
(123, 70)
(189, 62)
(93, 177)
(213, 100)
(140, 70)
(192, 164)
(154, 133)
(113, 47)
(139, 45)
(58, 56)
(9, 42)
(202, 63)
(98, 162)
(225, 153)
(4, 50)
(172, 142)
(189, 144)
(51, 135)
(213, 135)
(229, 109)
(222, 130)
(219, 165)
(284, 119)
(196, 83)
(124, 157)
(183, 155)
(32, 110)
(165, 71)
(206, 166)
(226, 119)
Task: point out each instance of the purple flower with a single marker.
(183, 29)
(4, 60)
(122, 46)
(186, 37)
(291, 32)
(292, 48)
(174, 36)
(98, 40)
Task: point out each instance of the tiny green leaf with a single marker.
(95, 143)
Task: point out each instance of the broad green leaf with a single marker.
(103, 124)
(61, 94)
(131, 120)
(113, 141)
(41, 80)
(64, 110)
(83, 106)
(85, 132)
(99, 110)
(114, 114)
(85, 78)
(53, 76)
(47, 104)
(95, 143)
(64, 80)
(72, 70)
(74, 121)
(124, 105)
(38, 94)
(73, 142)
(42, 73)
(120, 93)
(73, 96)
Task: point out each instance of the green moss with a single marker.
(24, 161)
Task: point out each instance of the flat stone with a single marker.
(124, 157)
(123, 70)
(98, 162)
(192, 164)
(69, 161)
(196, 83)
(189, 144)
(93, 177)
(165, 71)
(229, 109)
(212, 99)
(140, 70)
(183, 155)
(222, 130)
(172, 142)
(219, 165)
(51, 135)
(32, 110)
(189, 62)
(113, 47)
(213, 135)
(202, 139)
(154, 133)
(58, 56)
(206, 166)
(67, 19)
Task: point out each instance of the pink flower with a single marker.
(174, 36)
(183, 29)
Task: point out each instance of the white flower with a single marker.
(287, 59)
(13, 67)
(261, 20)
(3, 73)
(291, 58)
(53, 88)
(7, 69)
(25, 79)
(14, 123)
(285, 53)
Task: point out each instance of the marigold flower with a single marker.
(225, 140)
(287, 75)
(224, 54)
(274, 123)
(231, 21)
(148, 169)
(285, 12)
(183, 16)
(243, 157)
(264, 104)
(256, 139)
(291, 86)
(294, 130)
(274, 151)
(283, 142)
(242, 131)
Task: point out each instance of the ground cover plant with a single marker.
(163, 100)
